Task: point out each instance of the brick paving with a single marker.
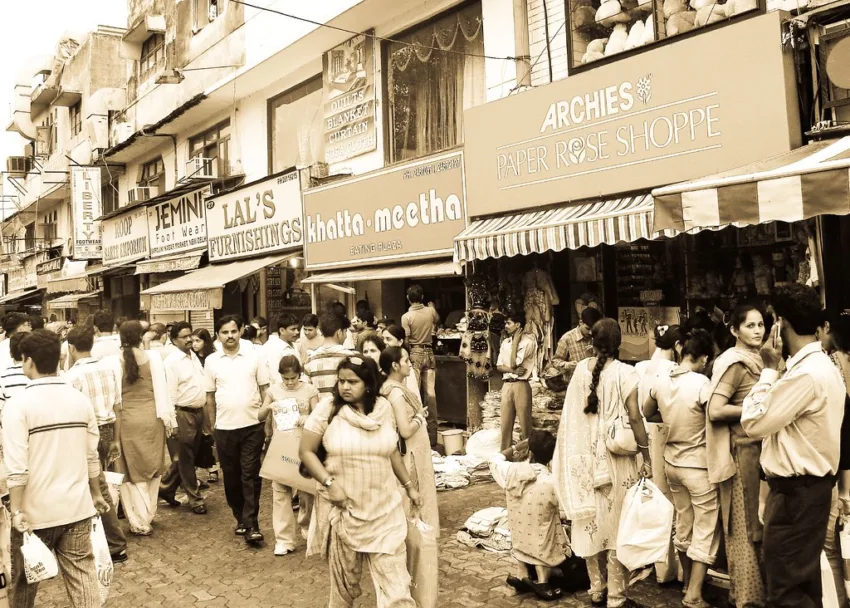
(197, 561)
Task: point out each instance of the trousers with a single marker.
(425, 371)
(188, 442)
(516, 402)
(239, 453)
(283, 517)
(115, 536)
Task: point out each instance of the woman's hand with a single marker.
(337, 496)
(302, 420)
(415, 497)
(646, 470)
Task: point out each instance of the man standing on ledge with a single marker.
(799, 419)
(420, 322)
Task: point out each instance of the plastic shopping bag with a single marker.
(646, 524)
(5, 545)
(113, 483)
(39, 561)
(422, 563)
(102, 558)
(844, 540)
(830, 595)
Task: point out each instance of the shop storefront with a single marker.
(373, 236)
(253, 238)
(23, 292)
(64, 276)
(125, 241)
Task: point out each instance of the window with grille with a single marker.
(153, 56)
(50, 225)
(152, 175)
(29, 237)
(205, 12)
(75, 118)
(109, 196)
(213, 144)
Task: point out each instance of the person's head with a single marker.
(339, 308)
(514, 322)
(146, 325)
(202, 342)
(310, 326)
(15, 346)
(835, 332)
(158, 332)
(15, 322)
(80, 343)
(40, 352)
(394, 335)
(104, 322)
(747, 325)
(358, 382)
(589, 317)
(287, 327)
(36, 322)
(334, 326)
(415, 294)
(249, 332)
(606, 343)
(229, 331)
(667, 336)
(360, 306)
(383, 323)
(131, 337)
(541, 445)
(372, 347)
(798, 308)
(395, 361)
(697, 348)
(262, 326)
(365, 319)
(181, 336)
(290, 371)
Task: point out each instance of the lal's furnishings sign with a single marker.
(179, 224)
(411, 211)
(257, 219)
(85, 208)
(125, 237)
(695, 107)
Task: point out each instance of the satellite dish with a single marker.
(838, 64)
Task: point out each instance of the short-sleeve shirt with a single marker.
(736, 383)
(300, 397)
(236, 382)
(682, 397)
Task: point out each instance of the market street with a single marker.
(197, 561)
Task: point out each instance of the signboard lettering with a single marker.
(125, 237)
(179, 224)
(185, 300)
(86, 207)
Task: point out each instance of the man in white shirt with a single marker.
(50, 439)
(799, 418)
(282, 344)
(12, 379)
(515, 362)
(106, 342)
(236, 384)
(14, 322)
(187, 391)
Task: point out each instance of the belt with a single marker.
(425, 346)
(515, 380)
(105, 424)
(788, 484)
(185, 408)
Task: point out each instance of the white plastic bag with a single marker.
(422, 563)
(646, 524)
(844, 539)
(830, 595)
(113, 482)
(102, 558)
(39, 561)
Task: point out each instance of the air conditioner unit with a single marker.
(201, 168)
(19, 164)
(140, 194)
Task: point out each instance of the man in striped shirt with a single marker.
(322, 365)
(12, 379)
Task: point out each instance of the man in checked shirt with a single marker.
(576, 345)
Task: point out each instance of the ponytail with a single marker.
(131, 337)
(592, 398)
(131, 366)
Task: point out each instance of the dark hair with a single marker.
(375, 339)
(131, 337)
(332, 323)
(13, 321)
(517, 316)
(590, 315)
(697, 343)
(240, 322)
(15, 345)
(390, 355)
(397, 332)
(741, 312)
(386, 321)
(178, 327)
(158, 330)
(289, 363)
(361, 306)
(104, 321)
(42, 346)
(249, 332)
(367, 316)
(668, 337)
(339, 308)
(839, 329)
(699, 320)
(799, 306)
(542, 445)
(260, 321)
(209, 345)
(286, 319)
(606, 341)
(310, 320)
(415, 294)
(81, 338)
(36, 321)
(365, 369)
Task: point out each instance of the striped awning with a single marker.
(423, 270)
(569, 227)
(806, 182)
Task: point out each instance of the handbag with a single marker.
(619, 436)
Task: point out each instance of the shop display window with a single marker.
(295, 126)
(604, 28)
(434, 73)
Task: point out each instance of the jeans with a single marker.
(425, 369)
(697, 513)
(239, 452)
(115, 537)
(188, 442)
(72, 545)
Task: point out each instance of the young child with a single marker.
(291, 394)
(538, 539)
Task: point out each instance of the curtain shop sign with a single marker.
(179, 224)
(257, 219)
(125, 237)
(406, 212)
(681, 111)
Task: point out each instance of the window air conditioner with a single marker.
(19, 164)
(200, 168)
(140, 194)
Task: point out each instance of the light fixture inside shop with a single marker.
(297, 262)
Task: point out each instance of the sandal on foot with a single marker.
(599, 599)
(518, 584)
(698, 604)
(543, 590)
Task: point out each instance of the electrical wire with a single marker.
(536, 61)
(367, 35)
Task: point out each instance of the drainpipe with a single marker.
(522, 50)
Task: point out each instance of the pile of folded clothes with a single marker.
(452, 472)
(487, 529)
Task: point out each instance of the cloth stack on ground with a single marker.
(453, 472)
(487, 529)
(546, 407)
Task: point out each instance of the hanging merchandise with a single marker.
(475, 346)
(540, 300)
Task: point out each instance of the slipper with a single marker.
(699, 604)
(544, 591)
(518, 584)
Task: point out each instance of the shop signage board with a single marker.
(48, 270)
(406, 212)
(348, 74)
(178, 224)
(85, 208)
(257, 219)
(677, 112)
(125, 237)
(202, 299)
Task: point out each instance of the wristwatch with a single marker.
(327, 483)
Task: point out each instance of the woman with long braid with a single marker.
(592, 481)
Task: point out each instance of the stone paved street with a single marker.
(193, 560)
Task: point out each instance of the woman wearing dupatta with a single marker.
(590, 480)
(733, 457)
